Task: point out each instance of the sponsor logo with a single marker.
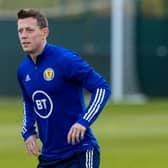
(43, 105)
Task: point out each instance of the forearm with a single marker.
(97, 102)
(28, 128)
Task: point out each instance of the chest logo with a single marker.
(43, 104)
(48, 74)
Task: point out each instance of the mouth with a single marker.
(25, 44)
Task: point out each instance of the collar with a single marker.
(40, 56)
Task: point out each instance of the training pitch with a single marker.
(130, 135)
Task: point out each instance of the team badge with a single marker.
(48, 74)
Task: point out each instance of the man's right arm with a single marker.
(28, 128)
(28, 117)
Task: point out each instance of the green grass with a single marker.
(130, 136)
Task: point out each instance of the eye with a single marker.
(20, 30)
(29, 30)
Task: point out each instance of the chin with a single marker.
(27, 50)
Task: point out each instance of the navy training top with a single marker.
(53, 98)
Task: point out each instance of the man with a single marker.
(52, 79)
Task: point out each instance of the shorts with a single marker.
(87, 159)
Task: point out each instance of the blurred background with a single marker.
(126, 42)
(89, 27)
(82, 25)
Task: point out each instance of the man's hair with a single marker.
(27, 13)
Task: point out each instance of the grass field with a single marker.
(131, 136)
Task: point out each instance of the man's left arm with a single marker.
(100, 91)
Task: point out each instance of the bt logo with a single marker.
(43, 104)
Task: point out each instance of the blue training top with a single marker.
(53, 99)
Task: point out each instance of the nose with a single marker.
(23, 34)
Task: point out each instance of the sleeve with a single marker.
(28, 128)
(83, 74)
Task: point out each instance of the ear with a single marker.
(45, 32)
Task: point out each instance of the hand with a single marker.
(31, 145)
(76, 133)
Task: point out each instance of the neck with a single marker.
(34, 55)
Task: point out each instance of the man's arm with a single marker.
(28, 130)
(84, 75)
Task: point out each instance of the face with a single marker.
(31, 36)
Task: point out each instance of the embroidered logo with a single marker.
(27, 78)
(48, 74)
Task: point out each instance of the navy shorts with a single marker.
(87, 159)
